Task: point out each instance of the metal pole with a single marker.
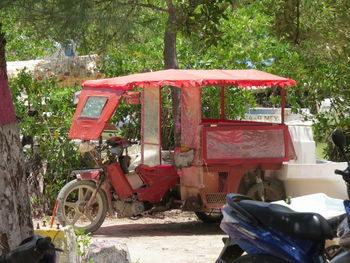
(283, 104)
(222, 115)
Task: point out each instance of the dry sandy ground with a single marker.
(179, 237)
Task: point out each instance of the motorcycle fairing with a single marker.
(257, 239)
(159, 180)
(118, 180)
(94, 109)
(156, 192)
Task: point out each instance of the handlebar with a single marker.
(117, 141)
(345, 174)
(342, 173)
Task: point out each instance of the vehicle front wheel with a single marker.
(274, 190)
(72, 210)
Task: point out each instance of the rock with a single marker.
(108, 251)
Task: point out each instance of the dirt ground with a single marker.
(178, 237)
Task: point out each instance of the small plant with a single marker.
(83, 243)
(288, 200)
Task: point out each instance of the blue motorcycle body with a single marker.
(256, 238)
(261, 240)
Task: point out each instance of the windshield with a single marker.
(93, 107)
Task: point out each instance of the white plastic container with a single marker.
(303, 141)
(303, 179)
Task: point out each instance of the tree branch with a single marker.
(146, 5)
(296, 40)
(170, 4)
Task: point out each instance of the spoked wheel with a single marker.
(72, 210)
(274, 190)
(212, 216)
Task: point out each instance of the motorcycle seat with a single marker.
(88, 170)
(150, 175)
(159, 170)
(296, 224)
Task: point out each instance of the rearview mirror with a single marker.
(339, 139)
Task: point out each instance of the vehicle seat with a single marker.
(301, 225)
(151, 174)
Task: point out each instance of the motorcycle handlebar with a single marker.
(346, 176)
(343, 173)
(119, 142)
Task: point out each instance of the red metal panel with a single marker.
(220, 122)
(86, 128)
(235, 145)
(118, 180)
(222, 115)
(283, 104)
(142, 129)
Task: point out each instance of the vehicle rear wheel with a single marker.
(72, 210)
(274, 190)
(259, 259)
(212, 216)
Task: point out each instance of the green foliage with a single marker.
(83, 242)
(304, 40)
(91, 24)
(23, 43)
(320, 27)
(237, 101)
(45, 110)
(247, 43)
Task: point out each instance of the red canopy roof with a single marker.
(248, 78)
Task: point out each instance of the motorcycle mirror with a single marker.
(339, 139)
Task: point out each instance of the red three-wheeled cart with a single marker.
(216, 157)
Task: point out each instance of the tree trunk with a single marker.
(16, 223)
(170, 62)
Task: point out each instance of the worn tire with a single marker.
(274, 190)
(259, 259)
(68, 189)
(207, 217)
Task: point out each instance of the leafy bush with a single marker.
(44, 111)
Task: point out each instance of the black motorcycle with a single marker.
(34, 249)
